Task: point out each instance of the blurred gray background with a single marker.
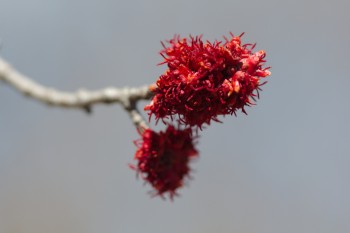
(284, 168)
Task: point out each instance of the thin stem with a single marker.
(83, 99)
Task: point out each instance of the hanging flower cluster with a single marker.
(163, 158)
(205, 80)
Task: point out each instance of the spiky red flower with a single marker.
(204, 79)
(163, 158)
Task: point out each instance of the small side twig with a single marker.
(136, 116)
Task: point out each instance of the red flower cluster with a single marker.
(206, 79)
(163, 158)
(203, 80)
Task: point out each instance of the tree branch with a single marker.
(83, 99)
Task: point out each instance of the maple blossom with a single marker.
(205, 80)
(163, 158)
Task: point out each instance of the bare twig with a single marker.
(83, 99)
(137, 119)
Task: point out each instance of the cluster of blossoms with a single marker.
(163, 158)
(203, 81)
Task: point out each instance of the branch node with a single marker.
(88, 109)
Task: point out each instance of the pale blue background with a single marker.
(284, 168)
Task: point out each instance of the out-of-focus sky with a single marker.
(283, 168)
